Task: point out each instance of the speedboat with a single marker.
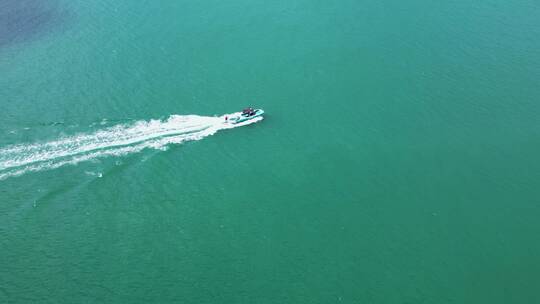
(246, 114)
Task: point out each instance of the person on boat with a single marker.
(248, 112)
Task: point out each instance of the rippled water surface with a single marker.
(397, 162)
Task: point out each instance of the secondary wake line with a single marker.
(118, 140)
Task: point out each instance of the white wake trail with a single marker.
(118, 140)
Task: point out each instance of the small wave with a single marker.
(119, 140)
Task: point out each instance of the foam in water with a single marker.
(118, 140)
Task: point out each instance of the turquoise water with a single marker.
(397, 163)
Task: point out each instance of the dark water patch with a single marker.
(23, 20)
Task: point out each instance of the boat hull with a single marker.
(242, 118)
